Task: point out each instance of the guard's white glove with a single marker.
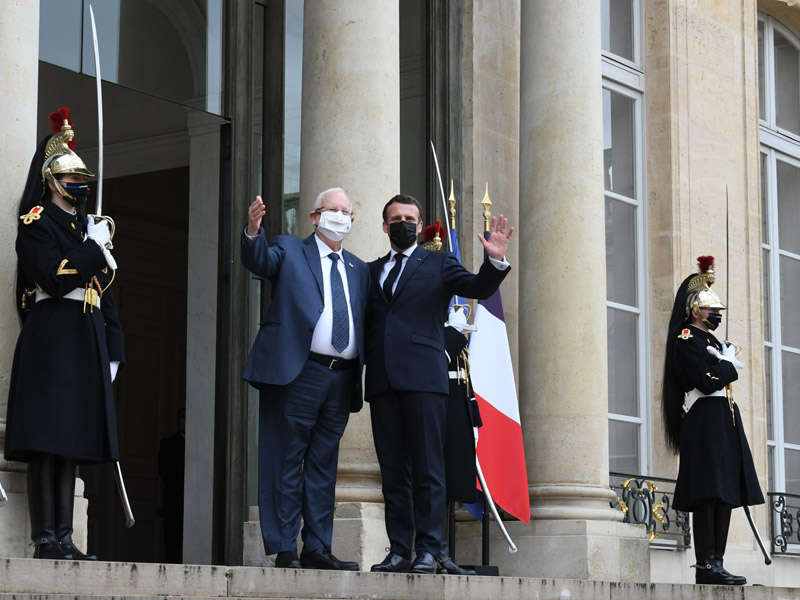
(99, 232)
(114, 366)
(720, 356)
(728, 350)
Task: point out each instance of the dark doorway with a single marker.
(151, 213)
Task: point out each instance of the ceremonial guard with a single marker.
(703, 424)
(60, 406)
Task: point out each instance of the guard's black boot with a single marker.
(65, 501)
(41, 509)
(703, 531)
(722, 521)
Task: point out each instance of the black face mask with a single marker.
(403, 234)
(78, 191)
(713, 321)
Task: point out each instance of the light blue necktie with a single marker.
(340, 332)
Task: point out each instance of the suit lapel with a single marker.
(314, 262)
(376, 268)
(412, 264)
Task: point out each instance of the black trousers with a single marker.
(409, 429)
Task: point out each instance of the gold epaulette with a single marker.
(686, 334)
(34, 215)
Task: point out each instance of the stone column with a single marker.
(563, 355)
(350, 138)
(19, 53)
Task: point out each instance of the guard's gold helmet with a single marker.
(59, 159)
(699, 293)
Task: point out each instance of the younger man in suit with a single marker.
(407, 382)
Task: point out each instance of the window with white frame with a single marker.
(779, 112)
(623, 143)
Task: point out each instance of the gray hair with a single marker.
(318, 203)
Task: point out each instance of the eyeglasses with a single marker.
(346, 213)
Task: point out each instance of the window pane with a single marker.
(621, 252)
(765, 308)
(787, 86)
(617, 24)
(623, 447)
(293, 74)
(764, 199)
(788, 177)
(762, 97)
(792, 472)
(791, 392)
(790, 292)
(60, 33)
(768, 390)
(771, 468)
(618, 143)
(622, 366)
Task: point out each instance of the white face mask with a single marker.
(334, 225)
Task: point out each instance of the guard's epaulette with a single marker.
(685, 334)
(34, 215)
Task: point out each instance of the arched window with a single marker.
(779, 112)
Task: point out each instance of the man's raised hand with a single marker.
(255, 213)
(499, 235)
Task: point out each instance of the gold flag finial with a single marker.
(452, 201)
(487, 204)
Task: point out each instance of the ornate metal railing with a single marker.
(647, 501)
(784, 523)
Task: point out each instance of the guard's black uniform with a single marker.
(60, 398)
(715, 460)
(462, 416)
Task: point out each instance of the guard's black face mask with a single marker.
(713, 321)
(78, 191)
(403, 234)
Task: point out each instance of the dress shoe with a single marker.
(287, 560)
(425, 562)
(323, 559)
(709, 573)
(393, 563)
(447, 566)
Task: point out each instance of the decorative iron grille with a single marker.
(784, 523)
(643, 501)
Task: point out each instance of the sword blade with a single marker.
(767, 559)
(444, 198)
(123, 496)
(727, 265)
(99, 81)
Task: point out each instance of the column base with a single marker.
(15, 526)
(562, 549)
(359, 534)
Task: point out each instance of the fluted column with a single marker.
(563, 353)
(19, 54)
(350, 138)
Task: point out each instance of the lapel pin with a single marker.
(351, 264)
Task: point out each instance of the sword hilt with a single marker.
(111, 226)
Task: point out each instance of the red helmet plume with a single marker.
(57, 119)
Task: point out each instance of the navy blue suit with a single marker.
(407, 386)
(305, 405)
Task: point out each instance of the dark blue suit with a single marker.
(304, 406)
(407, 386)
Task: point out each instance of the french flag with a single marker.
(500, 449)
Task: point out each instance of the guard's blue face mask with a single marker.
(77, 193)
(713, 320)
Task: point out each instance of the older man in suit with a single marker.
(407, 383)
(307, 361)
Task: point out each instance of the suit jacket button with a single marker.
(321, 310)
(389, 313)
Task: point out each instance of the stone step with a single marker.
(28, 579)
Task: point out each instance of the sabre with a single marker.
(98, 79)
(3, 496)
(767, 559)
(441, 190)
(512, 549)
(123, 495)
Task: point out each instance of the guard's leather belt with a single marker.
(695, 395)
(78, 294)
(334, 363)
